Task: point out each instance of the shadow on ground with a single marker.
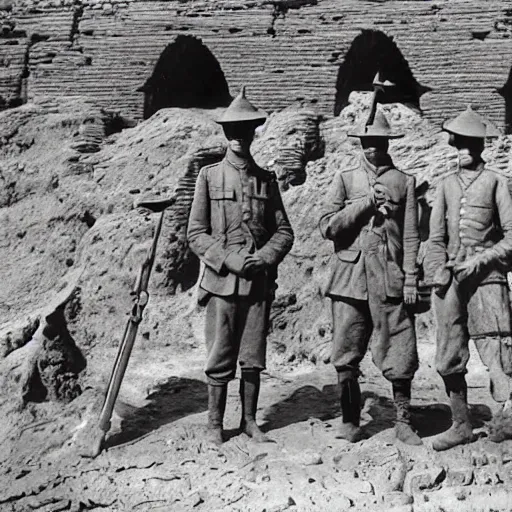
(176, 398)
(378, 412)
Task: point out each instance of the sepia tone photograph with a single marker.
(255, 255)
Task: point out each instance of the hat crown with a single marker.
(467, 124)
(241, 109)
(380, 123)
(379, 128)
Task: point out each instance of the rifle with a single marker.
(379, 88)
(140, 292)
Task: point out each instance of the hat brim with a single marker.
(463, 133)
(376, 135)
(257, 119)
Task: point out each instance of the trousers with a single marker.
(393, 347)
(483, 314)
(236, 330)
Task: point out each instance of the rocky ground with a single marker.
(71, 243)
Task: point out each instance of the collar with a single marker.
(478, 169)
(377, 170)
(238, 162)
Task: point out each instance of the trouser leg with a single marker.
(222, 349)
(394, 348)
(222, 339)
(452, 337)
(252, 325)
(352, 329)
(490, 326)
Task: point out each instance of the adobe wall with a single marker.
(283, 49)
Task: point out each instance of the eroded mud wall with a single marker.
(283, 49)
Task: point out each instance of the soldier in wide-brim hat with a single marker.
(372, 220)
(469, 250)
(239, 229)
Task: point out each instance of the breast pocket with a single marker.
(221, 194)
(478, 213)
(223, 208)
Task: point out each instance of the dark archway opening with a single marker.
(186, 75)
(506, 92)
(373, 51)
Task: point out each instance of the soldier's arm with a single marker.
(206, 247)
(411, 240)
(501, 253)
(342, 214)
(436, 255)
(280, 243)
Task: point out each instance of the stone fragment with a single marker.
(487, 476)
(402, 508)
(423, 479)
(309, 458)
(341, 503)
(459, 476)
(396, 499)
(479, 459)
(356, 489)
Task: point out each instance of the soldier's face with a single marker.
(375, 149)
(239, 137)
(469, 149)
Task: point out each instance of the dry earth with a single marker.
(70, 245)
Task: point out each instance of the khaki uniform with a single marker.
(374, 259)
(472, 216)
(239, 209)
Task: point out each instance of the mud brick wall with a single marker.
(283, 49)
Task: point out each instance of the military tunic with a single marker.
(472, 215)
(374, 259)
(237, 207)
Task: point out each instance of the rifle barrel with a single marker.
(130, 333)
(118, 372)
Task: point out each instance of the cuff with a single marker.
(265, 256)
(411, 280)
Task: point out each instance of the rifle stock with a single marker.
(140, 292)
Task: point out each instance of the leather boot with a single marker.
(217, 396)
(461, 431)
(249, 393)
(403, 428)
(350, 398)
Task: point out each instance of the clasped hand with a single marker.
(381, 198)
(244, 264)
(465, 270)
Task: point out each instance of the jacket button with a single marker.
(463, 200)
(462, 211)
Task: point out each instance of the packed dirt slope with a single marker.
(71, 243)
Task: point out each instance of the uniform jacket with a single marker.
(472, 213)
(217, 227)
(351, 221)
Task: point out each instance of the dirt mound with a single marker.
(71, 244)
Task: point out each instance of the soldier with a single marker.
(238, 227)
(470, 250)
(373, 223)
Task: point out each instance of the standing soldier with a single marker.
(373, 223)
(238, 227)
(470, 250)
